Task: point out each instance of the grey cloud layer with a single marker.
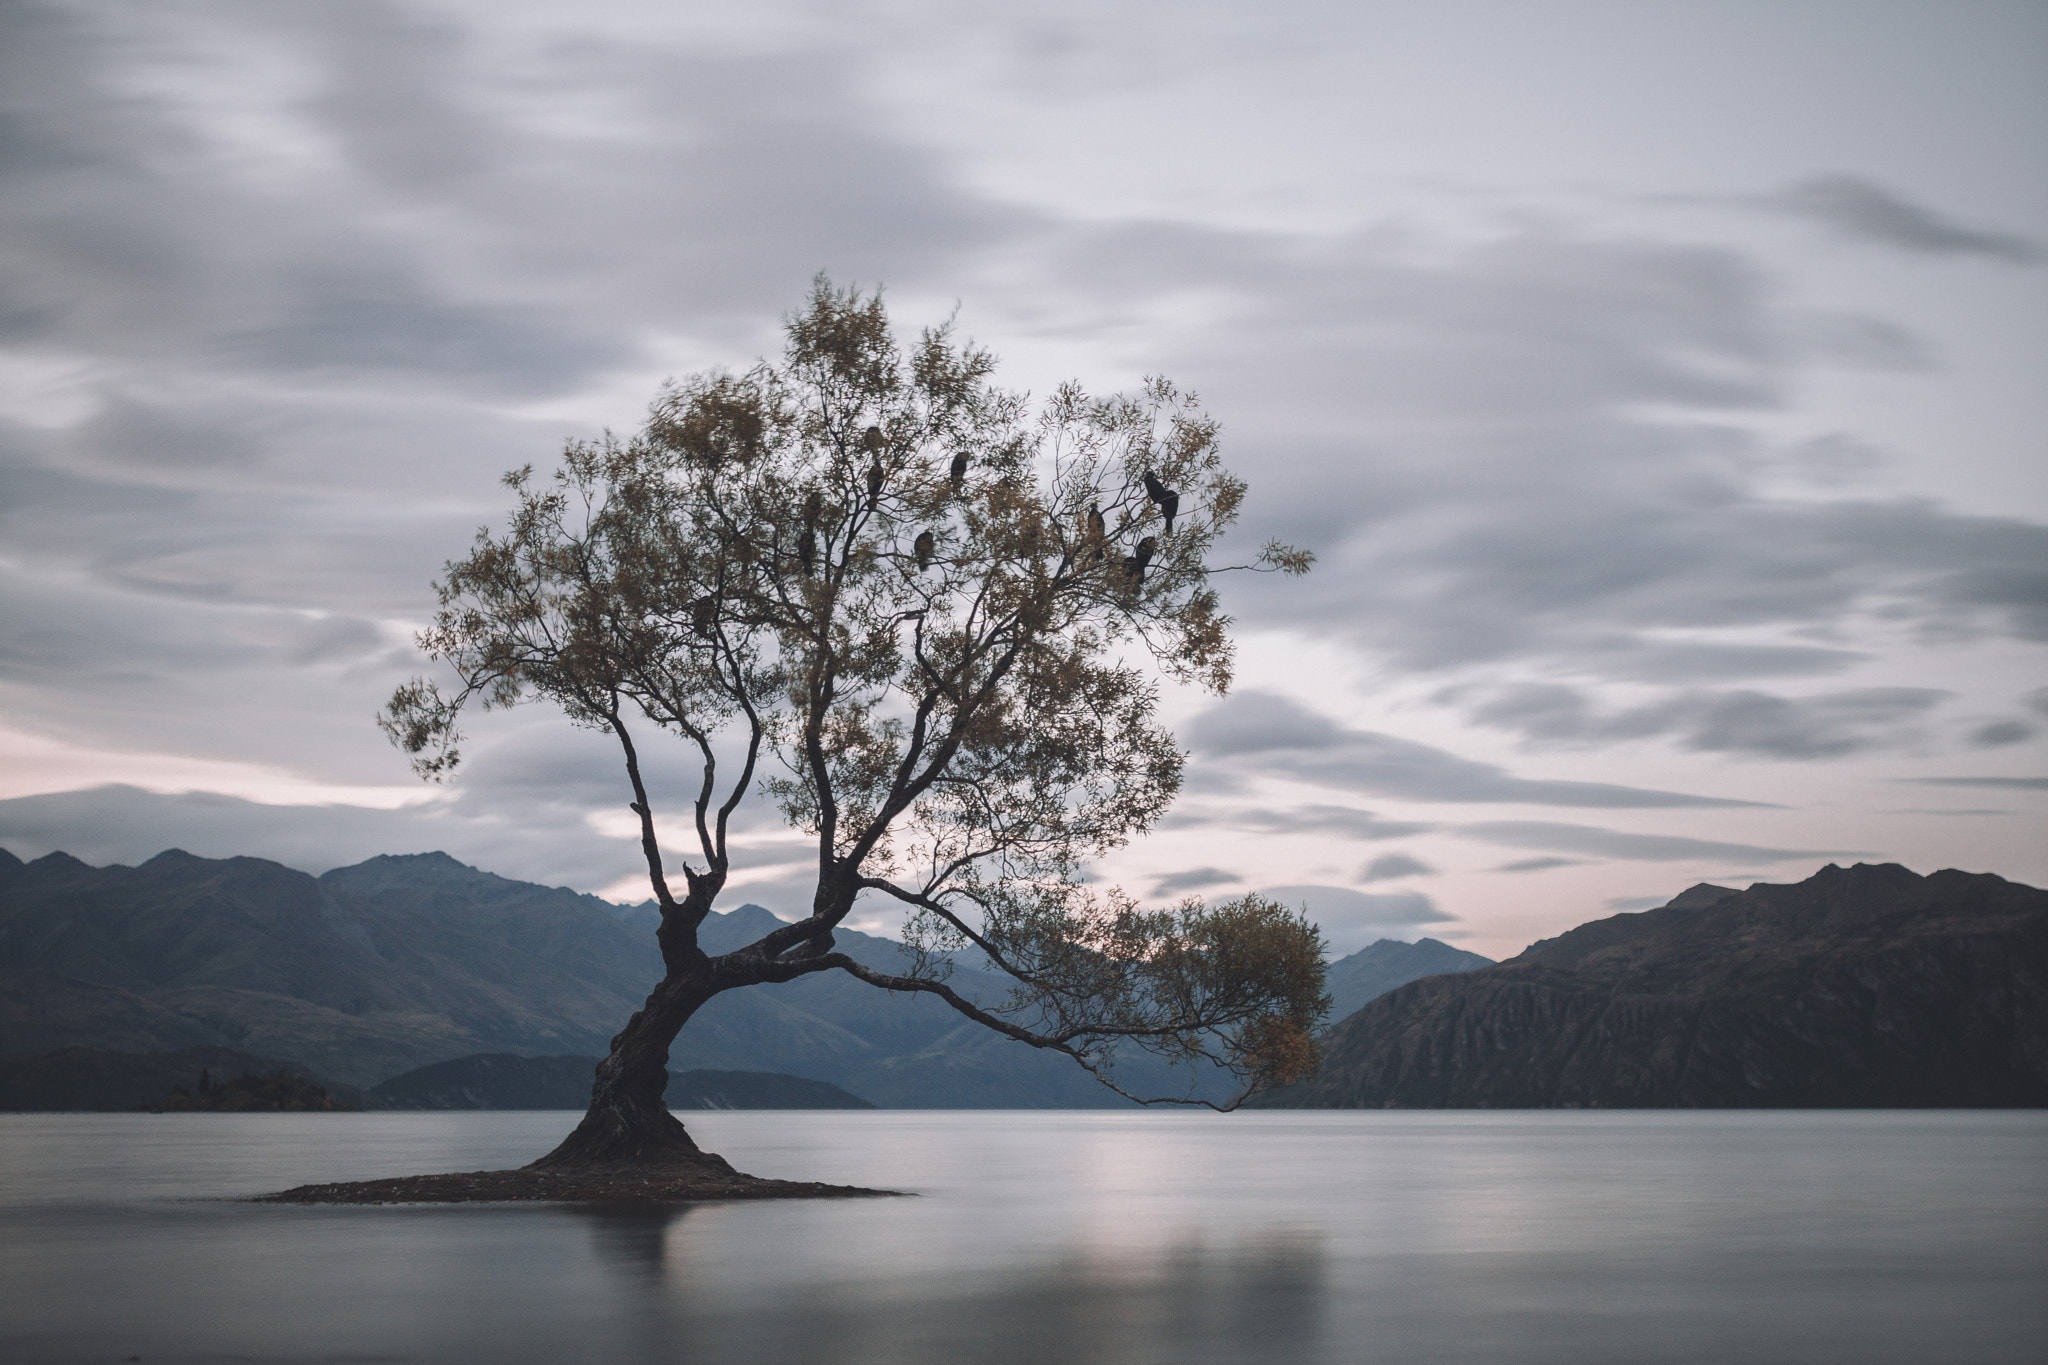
(1316, 817)
(1825, 725)
(1277, 737)
(2018, 784)
(1352, 919)
(304, 308)
(1501, 504)
(1612, 843)
(1858, 208)
(1193, 879)
(1389, 866)
(295, 420)
(119, 824)
(549, 246)
(523, 814)
(1538, 864)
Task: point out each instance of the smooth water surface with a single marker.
(1852, 1237)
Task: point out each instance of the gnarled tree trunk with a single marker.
(628, 1123)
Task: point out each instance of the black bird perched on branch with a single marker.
(704, 616)
(1167, 498)
(1134, 564)
(959, 472)
(922, 546)
(1094, 534)
(871, 440)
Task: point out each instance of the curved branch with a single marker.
(640, 807)
(791, 969)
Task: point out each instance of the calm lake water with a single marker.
(1168, 1237)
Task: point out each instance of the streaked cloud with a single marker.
(2023, 784)
(1741, 721)
(1614, 843)
(1193, 879)
(1999, 733)
(1279, 737)
(1539, 864)
(1389, 866)
(1352, 919)
(1867, 211)
(1346, 822)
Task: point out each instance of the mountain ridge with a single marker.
(1868, 986)
(406, 960)
(1372, 971)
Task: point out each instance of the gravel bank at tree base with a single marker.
(664, 1186)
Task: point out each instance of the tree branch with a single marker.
(648, 843)
(789, 970)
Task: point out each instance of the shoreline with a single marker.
(643, 1186)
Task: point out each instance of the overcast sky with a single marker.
(1660, 386)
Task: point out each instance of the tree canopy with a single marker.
(927, 618)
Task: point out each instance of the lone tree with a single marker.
(927, 621)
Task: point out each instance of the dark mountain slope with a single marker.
(41, 1010)
(180, 921)
(398, 962)
(1371, 972)
(349, 974)
(1574, 946)
(1865, 986)
(900, 1050)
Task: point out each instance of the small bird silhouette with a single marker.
(1094, 534)
(875, 477)
(704, 616)
(1167, 498)
(959, 472)
(807, 550)
(871, 439)
(1134, 564)
(923, 548)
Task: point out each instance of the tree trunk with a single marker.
(628, 1123)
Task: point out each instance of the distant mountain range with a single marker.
(1862, 986)
(1371, 972)
(361, 974)
(368, 972)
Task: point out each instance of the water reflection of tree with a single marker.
(1264, 1300)
(631, 1239)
